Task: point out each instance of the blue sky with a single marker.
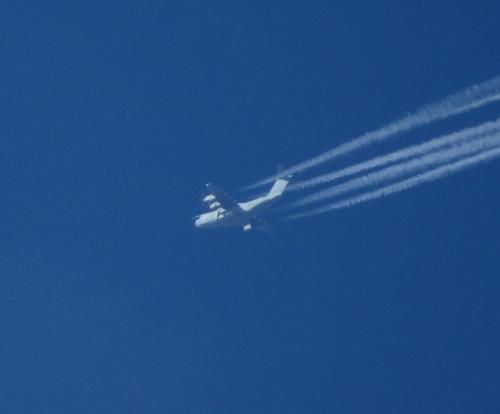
(115, 114)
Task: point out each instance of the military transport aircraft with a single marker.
(225, 212)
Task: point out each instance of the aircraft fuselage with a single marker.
(235, 217)
(225, 212)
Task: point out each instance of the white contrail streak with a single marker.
(407, 184)
(405, 168)
(400, 155)
(468, 99)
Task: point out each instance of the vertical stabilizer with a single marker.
(280, 184)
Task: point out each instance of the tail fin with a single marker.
(280, 184)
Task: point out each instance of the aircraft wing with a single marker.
(260, 224)
(220, 197)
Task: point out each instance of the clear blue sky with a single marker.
(115, 114)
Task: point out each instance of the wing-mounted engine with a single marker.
(208, 199)
(211, 202)
(214, 206)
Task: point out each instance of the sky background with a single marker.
(115, 115)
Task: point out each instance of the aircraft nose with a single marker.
(196, 221)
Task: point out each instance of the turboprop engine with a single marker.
(209, 198)
(214, 206)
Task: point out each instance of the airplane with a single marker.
(225, 212)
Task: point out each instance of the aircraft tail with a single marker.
(280, 184)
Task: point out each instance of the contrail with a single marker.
(407, 184)
(468, 99)
(406, 153)
(405, 168)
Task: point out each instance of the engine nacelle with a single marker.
(209, 198)
(214, 206)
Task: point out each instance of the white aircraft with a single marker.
(225, 212)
